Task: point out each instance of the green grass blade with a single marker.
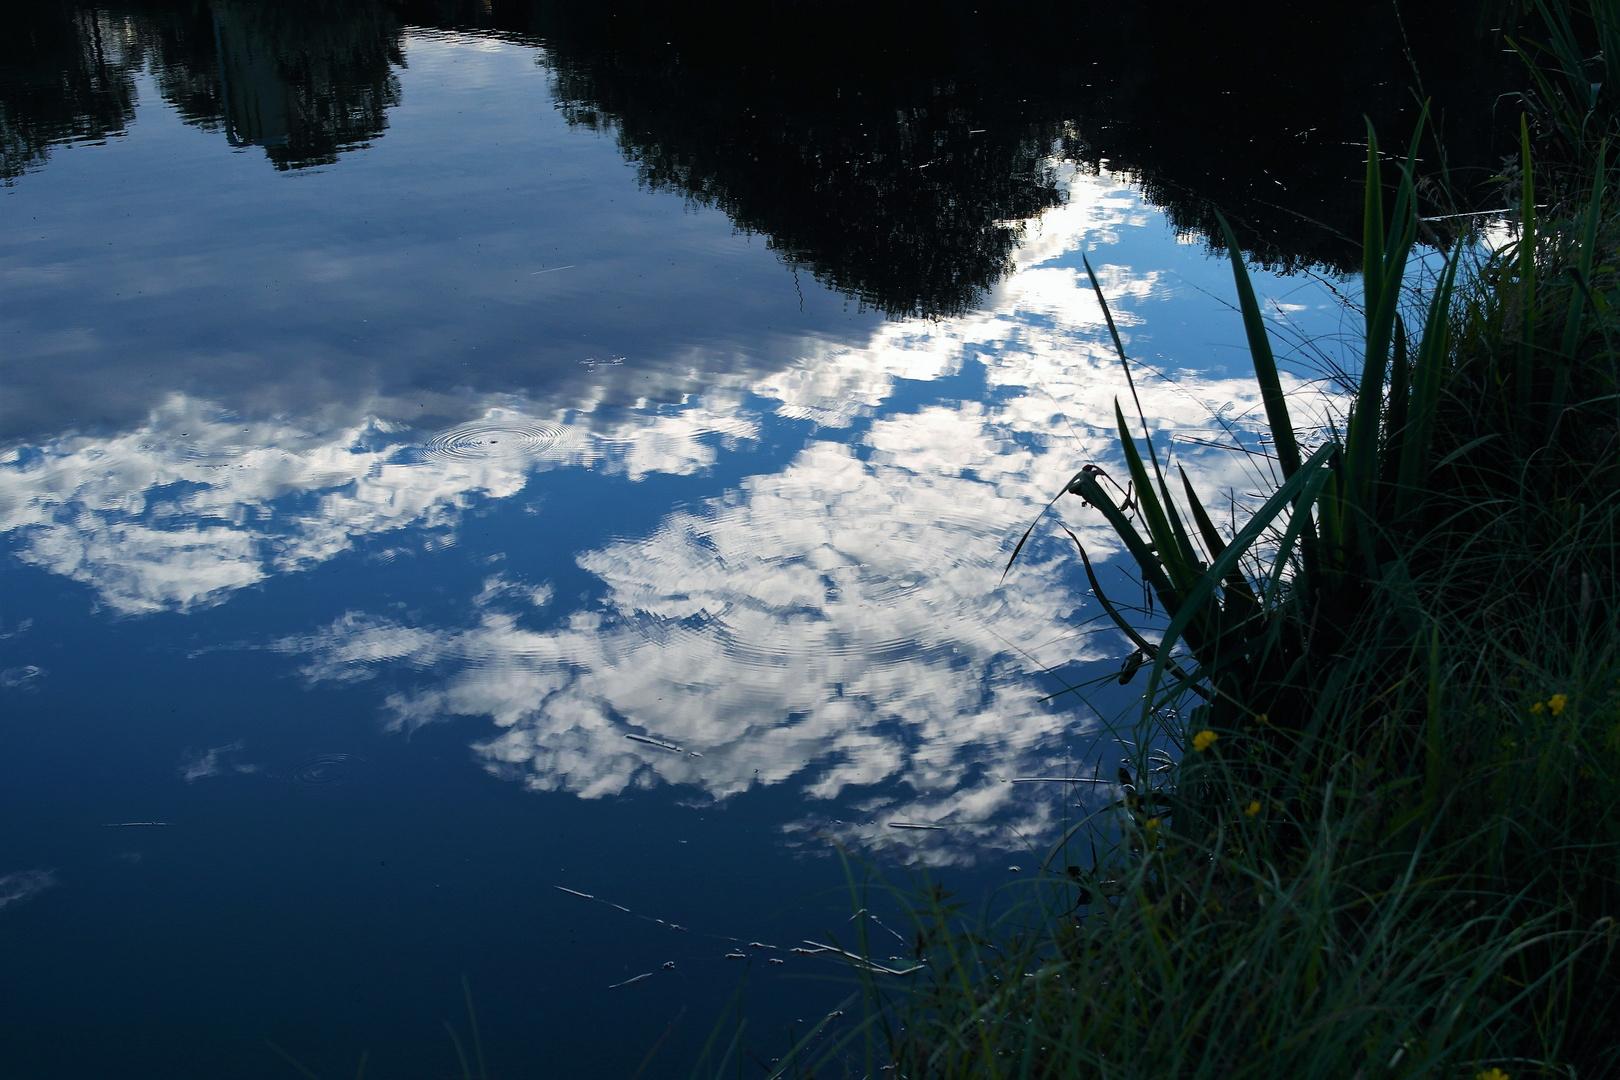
(1199, 597)
(1022, 540)
(1184, 544)
(1372, 230)
(472, 1019)
(1130, 632)
(1265, 364)
(1177, 531)
(1296, 528)
(1206, 527)
(1427, 369)
(289, 1059)
(1165, 541)
(1088, 489)
(1381, 297)
(1524, 376)
(461, 1054)
(1124, 361)
(1400, 399)
(1575, 317)
(1212, 540)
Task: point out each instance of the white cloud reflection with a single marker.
(839, 624)
(17, 887)
(193, 505)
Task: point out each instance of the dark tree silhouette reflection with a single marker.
(306, 80)
(66, 74)
(889, 148)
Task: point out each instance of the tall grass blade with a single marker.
(1168, 542)
(294, 1062)
(1400, 402)
(472, 1020)
(1167, 510)
(1085, 485)
(1427, 370)
(1524, 374)
(1194, 604)
(1298, 526)
(1575, 317)
(1146, 647)
(461, 1053)
(1236, 587)
(1382, 277)
(1265, 364)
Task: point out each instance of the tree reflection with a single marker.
(887, 149)
(306, 80)
(66, 73)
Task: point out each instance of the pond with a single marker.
(517, 493)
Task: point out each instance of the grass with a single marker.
(1391, 843)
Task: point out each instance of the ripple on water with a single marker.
(784, 653)
(492, 440)
(326, 770)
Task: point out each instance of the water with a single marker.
(510, 494)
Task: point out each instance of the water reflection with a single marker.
(66, 73)
(305, 81)
(889, 151)
(836, 623)
(840, 624)
(831, 619)
(195, 505)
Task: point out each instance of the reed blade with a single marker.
(1197, 599)
(1164, 539)
(1524, 374)
(1088, 489)
(1427, 369)
(1265, 364)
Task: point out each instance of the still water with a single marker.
(472, 508)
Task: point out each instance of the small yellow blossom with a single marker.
(1536, 710)
(1263, 718)
(1556, 703)
(1252, 809)
(1204, 740)
(1152, 824)
(1492, 1074)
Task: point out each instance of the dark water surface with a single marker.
(458, 459)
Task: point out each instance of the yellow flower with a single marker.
(1204, 740)
(1556, 703)
(1535, 710)
(1152, 824)
(1492, 1074)
(1263, 718)
(1252, 809)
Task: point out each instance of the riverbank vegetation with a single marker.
(1390, 841)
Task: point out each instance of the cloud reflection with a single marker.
(17, 887)
(840, 624)
(194, 504)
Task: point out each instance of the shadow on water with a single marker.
(886, 149)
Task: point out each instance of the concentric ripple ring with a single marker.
(326, 770)
(486, 440)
